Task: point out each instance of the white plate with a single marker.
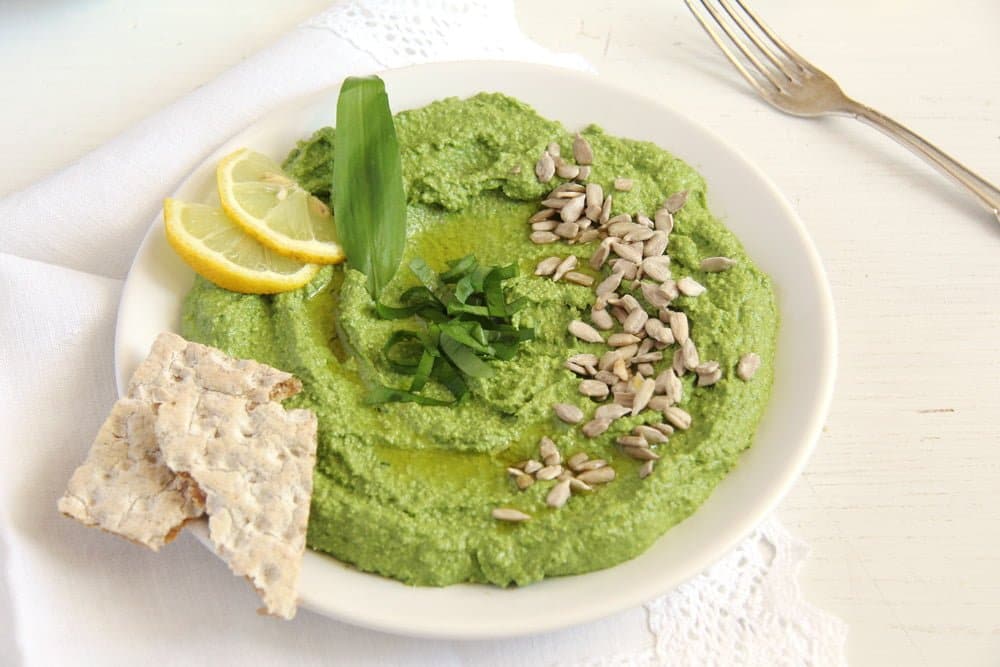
(738, 192)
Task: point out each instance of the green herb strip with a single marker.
(467, 322)
(369, 204)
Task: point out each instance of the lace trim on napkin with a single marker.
(397, 33)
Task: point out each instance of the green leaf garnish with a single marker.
(468, 323)
(369, 204)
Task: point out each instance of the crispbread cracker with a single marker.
(173, 360)
(254, 463)
(125, 488)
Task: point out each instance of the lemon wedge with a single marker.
(218, 249)
(271, 207)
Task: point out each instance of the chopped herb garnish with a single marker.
(467, 322)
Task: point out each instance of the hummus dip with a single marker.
(406, 490)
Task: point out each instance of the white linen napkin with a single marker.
(71, 595)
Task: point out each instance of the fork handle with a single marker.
(986, 193)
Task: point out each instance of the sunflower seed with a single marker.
(665, 429)
(640, 234)
(676, 201)
(626, 268)
(679, 326)
(584, 172)
(570, 187)
(565, 475)
(555, 203)
(532, 466)
(608, 360)
(595, 427)
(601, 319)
(595, 195)
(716, 264)
(544, 226)
(645, 369)
(642, 396)
(524, 481)
(663, 220)
(620, 371)
(553, 459)
(607, 377)
(621, 217)
(565, 265)
(548, 472)
(646, 469)
(515, 472)
(621, 227)
(600, 255)
(545, 168)
(627, 352)
(658, 403)
(611, 412)
(748, 365)
(641, 453)
(655, 295)
(710, 377)
(544, 214)
(605, 210)
(622, 339)
(624, 398)
(593, 464)
(641, 219)
(627, 252)
(658, 331)
(677, 417)
(546, 447)
(631, 441)
(547, 266)
(558, 495)
(651, 434)
(508, 514)
(576, 368)
(601, 475)
(588, 236)
(623, 184)
(582, 152)
(635, 322)
(577, 486)
(578, 278)
(584, 332)
(656, 244)
(688, 286)
(572, 211)
(678, 363)
(609, 284)
(575, 460)
(690, 354)
(671, 386)
(566, 170)
(568, 413)
(707, 367)
(541, 238)
(657, 268)
(594, 389)
(646, 358)
(584, 360)
(566, 230)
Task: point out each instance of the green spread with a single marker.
(406, 490)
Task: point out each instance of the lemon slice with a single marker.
(219, 249)
(270, 206)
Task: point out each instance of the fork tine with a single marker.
(792, 55)
(752, 80)
(766, 50)
(734, 38)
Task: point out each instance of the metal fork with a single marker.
(794, 85)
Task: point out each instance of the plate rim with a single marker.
(741, 528)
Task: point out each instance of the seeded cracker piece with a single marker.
(173, 360)
(218, 422)
(125, 488)
(254, 463)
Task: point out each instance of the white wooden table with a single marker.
(901, 502)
